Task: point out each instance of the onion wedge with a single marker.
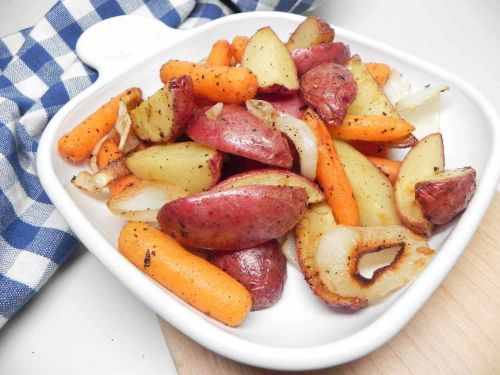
(289, 249)
(214, 111)
(298, 132)
(341, 248)
(422, 109)
(396, 87)
(142, 201)
(94, 183)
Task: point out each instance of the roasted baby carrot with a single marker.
(194, 279)
(221, 54)
(389, 167)
(227, 84)
(239, 44)
(371, 128)
(379, 71)
(121, 183)
(330, 174)
(107, 153)
(79, 142)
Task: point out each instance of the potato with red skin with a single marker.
(233, 219)
(445, 195)
(292, 105)
(261, 269)
(310, 57)
(311, 31)
(237, 132)
(329, 89)
(163, 116)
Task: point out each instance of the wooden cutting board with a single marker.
(456, 332)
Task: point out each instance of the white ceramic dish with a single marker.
(299, 332)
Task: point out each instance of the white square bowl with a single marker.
(299, 332)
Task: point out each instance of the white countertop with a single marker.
(83, 321)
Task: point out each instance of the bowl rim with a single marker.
(209, 334)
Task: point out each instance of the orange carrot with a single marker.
(240, 42)
(371, 128)
(194, 279)
(121, 183)
(107, 153)
(389, 167)
(370, 148)
(330, 174)
(79, 142)
(379, 71)
(227, 84)
(221, 54)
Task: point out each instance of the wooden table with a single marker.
(456, 332)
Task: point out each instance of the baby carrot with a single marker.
(121, 183)
(379, 71)
(227, 84)
(107, 153)
(389, 167)
(371, 128)
(79, 142)
(194, 279)
(239, 43)
(330, 174)
(221, 54)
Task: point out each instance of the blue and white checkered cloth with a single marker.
(39, 73)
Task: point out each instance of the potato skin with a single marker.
(261, 269)
(309, 57)
(441, 200)
(233, 219)
(183, 104)
(237, 132)
(330, 89)
(311, 31)
(292, 105)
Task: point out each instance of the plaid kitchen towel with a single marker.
(39, 73)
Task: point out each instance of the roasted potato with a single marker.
(233, 219)
(274, 177)
(446, 194)
(292, 105)
(318, 220)
(370, 98)
(311, 31)
(372, 189)
(189, 165)
(423, 162)
(268, 58)
(329, 89)
(237, 132)
(307, 58)
(261, 269)
(163, 116)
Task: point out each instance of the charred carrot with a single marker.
(239, 44)
(330, 174)
(194, 279)
(371, 128)
(227, 84)
(221, 54)
(79, 142)
(389, 167)
(379, 71)
(121, 183)
(107, 153)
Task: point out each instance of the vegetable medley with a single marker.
(266, 153)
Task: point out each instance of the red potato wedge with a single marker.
(268, 58)
(292, 105)
(163, 116)
(189, 165)
(274, 177)
(237, 132)
(423, 162)
(310, 57)
(311, 31)
(261, 269)
(372, 189)
(317, 221)
(329, 89)
(233, 219)
(446, 194)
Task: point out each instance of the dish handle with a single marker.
(113, 45)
